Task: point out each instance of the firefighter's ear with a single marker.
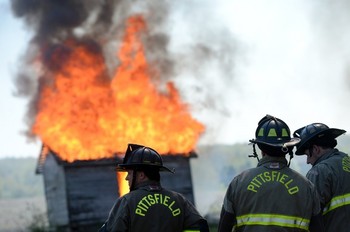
(141, 175)
(314, 149)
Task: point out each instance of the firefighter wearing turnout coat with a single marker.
(271, 197)
(330, 173)
(149, 207)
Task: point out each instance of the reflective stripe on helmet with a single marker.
(273, 220)
(261, 132)
(285, 133)
(272, 133)
(337, 202)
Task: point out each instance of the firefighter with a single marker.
(271, 197)
(148, 206)
(330, 172)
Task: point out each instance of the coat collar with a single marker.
(273, 162)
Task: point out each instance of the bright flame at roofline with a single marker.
(83, 114)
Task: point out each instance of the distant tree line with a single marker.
(217, 164)
(18, 178)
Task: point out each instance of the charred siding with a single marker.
(79, 194)
(90, 190)
(181, 180)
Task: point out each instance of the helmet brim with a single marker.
(292, 142)
(331, 132)
(126, 167)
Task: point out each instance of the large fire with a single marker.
(84, 114)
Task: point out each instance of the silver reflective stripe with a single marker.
(273, 220)
(337, 202)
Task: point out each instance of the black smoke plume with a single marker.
(99, 24)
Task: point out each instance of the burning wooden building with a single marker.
(80, 194)
(87, 113)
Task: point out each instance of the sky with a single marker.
(286, 58)
(13, 41)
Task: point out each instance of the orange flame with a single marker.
(122, 183)
(83, 114)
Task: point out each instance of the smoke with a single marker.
(183, 43)
(331, 28)
(230, 61)
(295, 65)
(53, 22)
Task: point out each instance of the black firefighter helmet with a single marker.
(316, 133)
(273, 136)
(138, 157)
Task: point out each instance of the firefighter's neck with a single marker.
(264, 154)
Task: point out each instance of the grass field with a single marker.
(28, 214)
(19, 215)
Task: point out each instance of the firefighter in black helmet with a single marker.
(330, 172)
(273, 138)
(148, 206)
(271, 197)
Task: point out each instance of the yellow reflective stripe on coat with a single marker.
(273, 220)
(191, 230)
(337, 202)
